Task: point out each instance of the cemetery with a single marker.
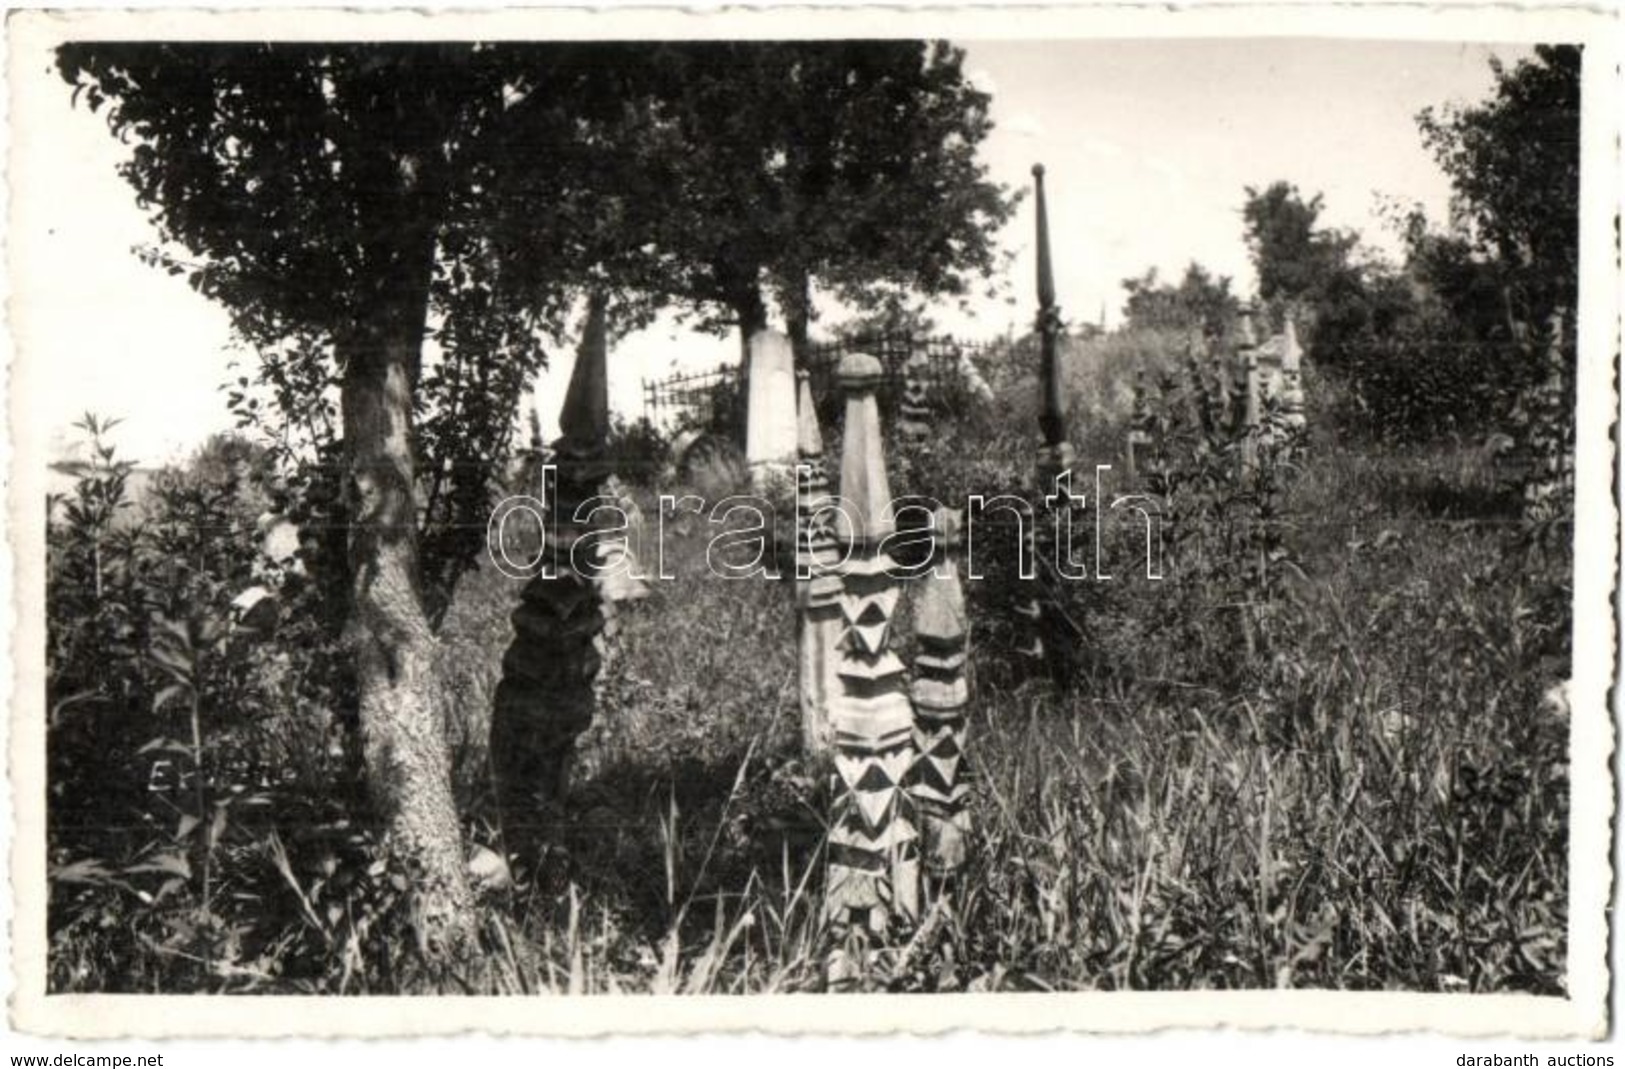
(1215, 650)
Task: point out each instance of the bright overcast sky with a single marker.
(1148, 147)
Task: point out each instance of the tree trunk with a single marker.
(403, 741)
(798, 317)
(751, 313)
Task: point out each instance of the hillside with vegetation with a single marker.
(1327, 749)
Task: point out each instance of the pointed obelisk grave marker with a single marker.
(584, 417)
(770, 412)
(564, 621)
(818, 584)
(940, 693)
(873, 849)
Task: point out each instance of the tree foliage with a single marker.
(853, 163)
(399, 228)
(1199, 301)
(1297, 259)
(1514, 164)
(1450, 339)
(353, 200)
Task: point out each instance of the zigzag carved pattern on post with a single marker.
(914, 413)
(564, 624)
(873, 843)
(940, 693)
(818, 615)
(1549, 486)
(547, 695)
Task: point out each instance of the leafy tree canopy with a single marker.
(291, 168)
(1296, 258)
(1514, 163)
(854, 163)
(1199, 301)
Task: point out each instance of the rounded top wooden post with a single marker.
(859, 373)
(1247, 326)
(1052, 411)
(1046, 272)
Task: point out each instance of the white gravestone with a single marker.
(770, 414)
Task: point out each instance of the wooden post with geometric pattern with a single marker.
(1199, 400)
(1249, 386)
(914, 412)
(1293, 417)
(1223, 402)
(874, 863)
(940, 693)
(1292, 412)
(547, 694)
(818, 586)
(1549, 483)
(1139, 427)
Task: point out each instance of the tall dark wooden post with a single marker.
(1052, 413)
(1054, 450)
(548, 692)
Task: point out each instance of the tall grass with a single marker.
(1375, 797)
(1379, 802)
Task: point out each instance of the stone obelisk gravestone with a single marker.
(873, 848)
(940, 693)
(770, 412)
(563, 624)
(818, 584)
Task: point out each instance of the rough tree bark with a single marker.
(798, 317)
(403, 741)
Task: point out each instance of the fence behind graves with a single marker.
(708, 398)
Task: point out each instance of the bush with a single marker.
(182, 736)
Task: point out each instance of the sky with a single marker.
(1148, 148)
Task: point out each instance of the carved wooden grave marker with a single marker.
(818, 584)
(940, 694)
(565, 619)
(873, 842)
(1054, 454)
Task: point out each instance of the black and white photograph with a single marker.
(700, 511)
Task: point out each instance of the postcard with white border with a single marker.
(851, 520)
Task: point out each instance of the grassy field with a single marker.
(1374, 797)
